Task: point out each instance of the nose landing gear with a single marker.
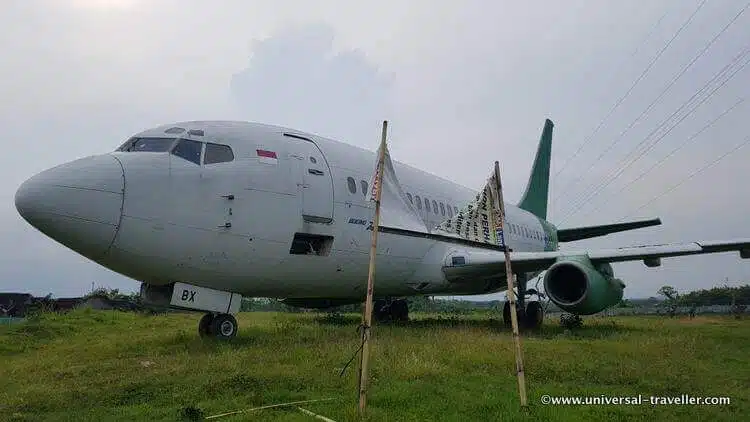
(219, 326)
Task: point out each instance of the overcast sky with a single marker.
(79, 76)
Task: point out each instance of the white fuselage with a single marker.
(230, 225)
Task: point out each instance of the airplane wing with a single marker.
(489, 263)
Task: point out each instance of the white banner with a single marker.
(395, 208)
(480, 220)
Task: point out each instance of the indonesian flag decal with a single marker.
(267, 157)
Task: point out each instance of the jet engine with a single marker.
(582, 288)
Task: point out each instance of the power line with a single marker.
(687, 142)
(713, 163)
(635, 83)
(625, 164)
(648, 148)
(663, 92)
(622, 168)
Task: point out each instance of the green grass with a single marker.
(104, 365)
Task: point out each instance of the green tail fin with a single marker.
(534, 199)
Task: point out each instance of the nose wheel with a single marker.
(220, 326)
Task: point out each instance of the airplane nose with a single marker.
(78, 204)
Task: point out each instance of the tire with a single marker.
(534, 315)
(507, 321)
(204, 326)
(380, 311)
(224, 327)
(400, 310)
(506, 315)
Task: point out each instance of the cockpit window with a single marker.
(189, 150)
(217, 153)
(147, 145)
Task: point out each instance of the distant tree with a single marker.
(737, 308)
(723, 295)
(625, 303)
(672, 298)
(669, 292)
(114, 294)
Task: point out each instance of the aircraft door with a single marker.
(185, 184)
(314, 180)
(220, 176)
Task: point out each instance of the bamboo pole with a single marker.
(511, 295)
(367, 317)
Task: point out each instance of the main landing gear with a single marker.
(530, 318)
(220, 326)
(531, 315)
(391, 310)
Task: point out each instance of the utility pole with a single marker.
(367, 317)
(500, 223)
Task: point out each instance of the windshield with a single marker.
(147, 145)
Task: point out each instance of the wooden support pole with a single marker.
(367, 317)
(511, 295)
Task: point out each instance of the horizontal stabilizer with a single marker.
(580, 233)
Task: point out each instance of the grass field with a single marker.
(105, 365)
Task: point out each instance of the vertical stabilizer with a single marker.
(534, 199)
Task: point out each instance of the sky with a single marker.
(80, 76)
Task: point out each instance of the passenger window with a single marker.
(147, 145)
(455, 209)
(450, 212)
(442, 208)
(189, 150)
(419, 201)
(352, 184)
(217, 153)
(408, 195)
(434, 206)
(364, 187)
(427, 204)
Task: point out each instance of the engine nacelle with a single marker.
(577, 286)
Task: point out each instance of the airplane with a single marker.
(203, 213)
